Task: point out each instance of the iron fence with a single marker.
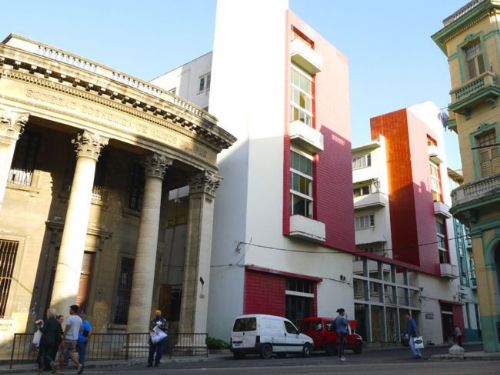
(116, 346)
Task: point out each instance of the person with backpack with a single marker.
(83, 339)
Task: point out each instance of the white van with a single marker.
(266, 335)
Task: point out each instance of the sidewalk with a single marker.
(478, 356)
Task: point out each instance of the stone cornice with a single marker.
(12, 124)
(114, 89)
(464, 22)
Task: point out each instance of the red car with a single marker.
(322, 331)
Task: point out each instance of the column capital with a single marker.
(12, 123)
(156, 165)
(88, 144)
(205, 182)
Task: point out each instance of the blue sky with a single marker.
(393, 61)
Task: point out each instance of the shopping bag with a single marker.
(418, 342)
(36, 338)
(157, 335)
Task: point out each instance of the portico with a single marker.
(99, 210)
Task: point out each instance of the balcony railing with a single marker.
(306, 137)
(442, 210)
(462, 11)
(304, 56)
(485, 79)
(21, 177)
(471, 191)
(448, 270)
(306, 228)
(371, 200)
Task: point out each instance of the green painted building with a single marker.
(470, 38)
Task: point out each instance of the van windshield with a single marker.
(245, 324)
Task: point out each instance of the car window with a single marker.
(290, 328)
(330, 326)
(245, 324)
(318, 326)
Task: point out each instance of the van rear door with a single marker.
(244, 333)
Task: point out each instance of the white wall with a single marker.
(186, 79)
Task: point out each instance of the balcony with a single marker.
(449, 271)
(306, 137)
(482, 89)
(434, 154)
(441, 210)
(475, 194)
(473, 283)
(304, 56)
(371, 200)
(308, 229)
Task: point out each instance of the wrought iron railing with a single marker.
(22, 177)
(116, 346)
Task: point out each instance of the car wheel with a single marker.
(358, 348)
(329, 349)
(306, 350)
(267, 351)
(239, 355)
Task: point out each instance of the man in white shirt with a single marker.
(71, 330)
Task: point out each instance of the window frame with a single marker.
(484, 128)
(461, 53)
(308, 198)
(204, 82)
(365, 161)
(360, 219)
(309, 95)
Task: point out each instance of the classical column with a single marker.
(139, 311)
(195, 287)
(88, 147)
(12, 124)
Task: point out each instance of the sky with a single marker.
(393, 61)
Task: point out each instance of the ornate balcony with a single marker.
(306, 137)
(304, 56)
(448, 270)
(482, 89)
(475, 194)
(307, 229)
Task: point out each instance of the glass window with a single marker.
(290, 328)
(376, 292)
(361, 190)
(301, 97)
(441, 240)
(360, 289)
(301, 191)
(136, 192)
(435, 181)
(474, 60)
(123, 291)
(389, 295)
(361, 161)
(364, 222)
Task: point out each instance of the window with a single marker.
(364, 222)
(474, 61)
(301, 97)
(136, 192)
(23, 163)
(204, 85)
(488, 155)
(245, 324)
(301, 192)
(362, 190)
(435, 181)
(290, 328)
(123, 291)
(8, 252)
(361, 161)
(441, 240)
(299, 299)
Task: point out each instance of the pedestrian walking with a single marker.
(411, 331)
(341, 327)
(158, 340)
(51, 338)
(83, 339)
(70, 336)
(458, 336)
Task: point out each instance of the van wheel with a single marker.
(306, 350)
(267, 351)
(358, 348)
(329, 349)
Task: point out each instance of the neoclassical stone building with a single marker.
(91, 161)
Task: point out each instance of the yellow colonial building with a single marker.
(470, 38)
(107, 188)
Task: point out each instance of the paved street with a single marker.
(393, 361)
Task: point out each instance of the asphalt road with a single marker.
(380, 362)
